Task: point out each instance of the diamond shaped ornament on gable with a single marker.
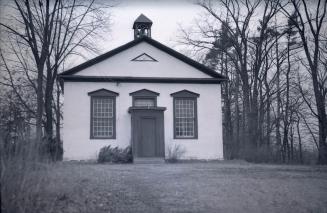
(144, 57)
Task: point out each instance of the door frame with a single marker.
(137, 113)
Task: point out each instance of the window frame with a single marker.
(107, 94)
(186, 95)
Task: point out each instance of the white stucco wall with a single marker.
(76, 132)
(121, 65)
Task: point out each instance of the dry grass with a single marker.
(196, 187)
(24, 174)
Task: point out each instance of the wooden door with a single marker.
(147, 132)
(148, 137)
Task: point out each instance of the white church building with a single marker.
(145, 95)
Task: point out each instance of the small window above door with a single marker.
(144, 98)
(144, 102)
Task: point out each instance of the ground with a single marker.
(184, 187)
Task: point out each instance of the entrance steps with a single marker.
(149, 160)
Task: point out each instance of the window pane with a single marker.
(139, 102)
(102, 118)
(184, 118)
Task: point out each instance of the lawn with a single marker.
(185, 187)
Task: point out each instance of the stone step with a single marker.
(149, 160)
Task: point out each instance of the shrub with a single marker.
(175, 152)
(115, 155)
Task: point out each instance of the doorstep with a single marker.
(149, 160)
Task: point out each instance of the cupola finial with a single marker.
(142, 27)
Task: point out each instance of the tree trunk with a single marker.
(267, 107)
(322, 116)
(300, 141)
(48, 99)
(286, 148)
(58, 114)
(237, 114)
(227, 110)
(261, 117)
(248, 118)
(292, 144)
(278, 134)
(39, 107)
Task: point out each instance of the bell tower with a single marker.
(142, 27)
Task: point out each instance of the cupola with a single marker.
(142, 27)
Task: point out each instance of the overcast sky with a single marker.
(165, 15)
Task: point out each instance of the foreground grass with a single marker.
(196, 187)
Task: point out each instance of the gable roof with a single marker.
(152, 42)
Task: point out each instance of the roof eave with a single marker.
(128, 79)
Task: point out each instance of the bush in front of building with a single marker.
(110, 154)
(175, 153)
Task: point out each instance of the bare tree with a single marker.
(43, 35)
(309, 21)
(261, 100)
(250, 51)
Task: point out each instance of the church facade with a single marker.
(144, 95)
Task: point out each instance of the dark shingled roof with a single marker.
(152, 42)
(142, 19)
